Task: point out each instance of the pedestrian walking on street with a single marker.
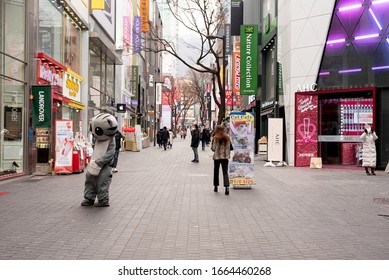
(165, 137)
(118, 141)
(204, 137)
(194, 143)
(159, 137)
(221, 146)
(171, 136)
(369, 154)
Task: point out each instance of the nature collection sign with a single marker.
(248, 59)
(41, 106)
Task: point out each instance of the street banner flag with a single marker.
(249, 59)
(41, 106)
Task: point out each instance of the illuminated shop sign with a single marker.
(72, 85)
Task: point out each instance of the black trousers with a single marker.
(224, 164)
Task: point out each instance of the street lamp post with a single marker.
(223, 101)
(155, 109)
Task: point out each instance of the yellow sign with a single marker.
(97, 4)
(241, 181)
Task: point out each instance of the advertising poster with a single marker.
(306, 129)
(242, 132)
(166, 119)
(64, 142)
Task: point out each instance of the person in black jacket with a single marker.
(159, 138)
(194, 143)
(118, 139)
(165, 137)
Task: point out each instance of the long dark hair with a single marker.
(221, 135)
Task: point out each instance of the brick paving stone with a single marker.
(163, 207)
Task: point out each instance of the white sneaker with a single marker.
(114, 170)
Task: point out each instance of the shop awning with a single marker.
(95, 40)
(76, 104)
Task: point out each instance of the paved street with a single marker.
(163, 207)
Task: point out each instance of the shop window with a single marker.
(357, 48)
(72, 57)
(50, 29)
(95, 69)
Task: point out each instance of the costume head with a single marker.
(103, 126)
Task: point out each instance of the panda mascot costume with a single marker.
(99, 176)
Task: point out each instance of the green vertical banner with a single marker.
(41, 106)
(249, 59)
(134, 80)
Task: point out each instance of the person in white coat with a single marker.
(369, 154)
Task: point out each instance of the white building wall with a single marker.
(302, 30)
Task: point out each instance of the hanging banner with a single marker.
(41, 106)
(144, 13)
(275, 139)
(249, 59)
(306, 126)
(136, 34)
(134, 79)
(242, 132)
(64, 143)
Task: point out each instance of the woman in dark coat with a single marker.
(194, 143)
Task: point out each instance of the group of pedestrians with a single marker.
(165, 138)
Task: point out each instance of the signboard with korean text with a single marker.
(71, 87)
(249, 59)
(242, 132)
(144, 13)
(64, 143)
(306, 129)
(136, 34)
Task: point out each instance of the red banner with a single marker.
(306, 129)
(236, 72)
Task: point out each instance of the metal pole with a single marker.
(155, 111)
(224, 76)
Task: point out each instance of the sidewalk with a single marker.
(163, 207)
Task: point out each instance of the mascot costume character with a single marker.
(99, 176)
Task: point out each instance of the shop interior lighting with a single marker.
(351, 7)
(379, 2)
(380, 67)
(367, 36)
(375, 19)
(387, 40)
(350, 71)
(335, 41)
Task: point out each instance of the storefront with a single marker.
(328, 124)
(13, 86)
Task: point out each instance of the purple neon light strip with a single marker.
(367, 36)
(350, 71)
(351, 7)
(375, 19)
(324, 73)
(387, 40)
(380, 67)
(336, 41)
(379, 2)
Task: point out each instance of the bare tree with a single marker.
(205, 19)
